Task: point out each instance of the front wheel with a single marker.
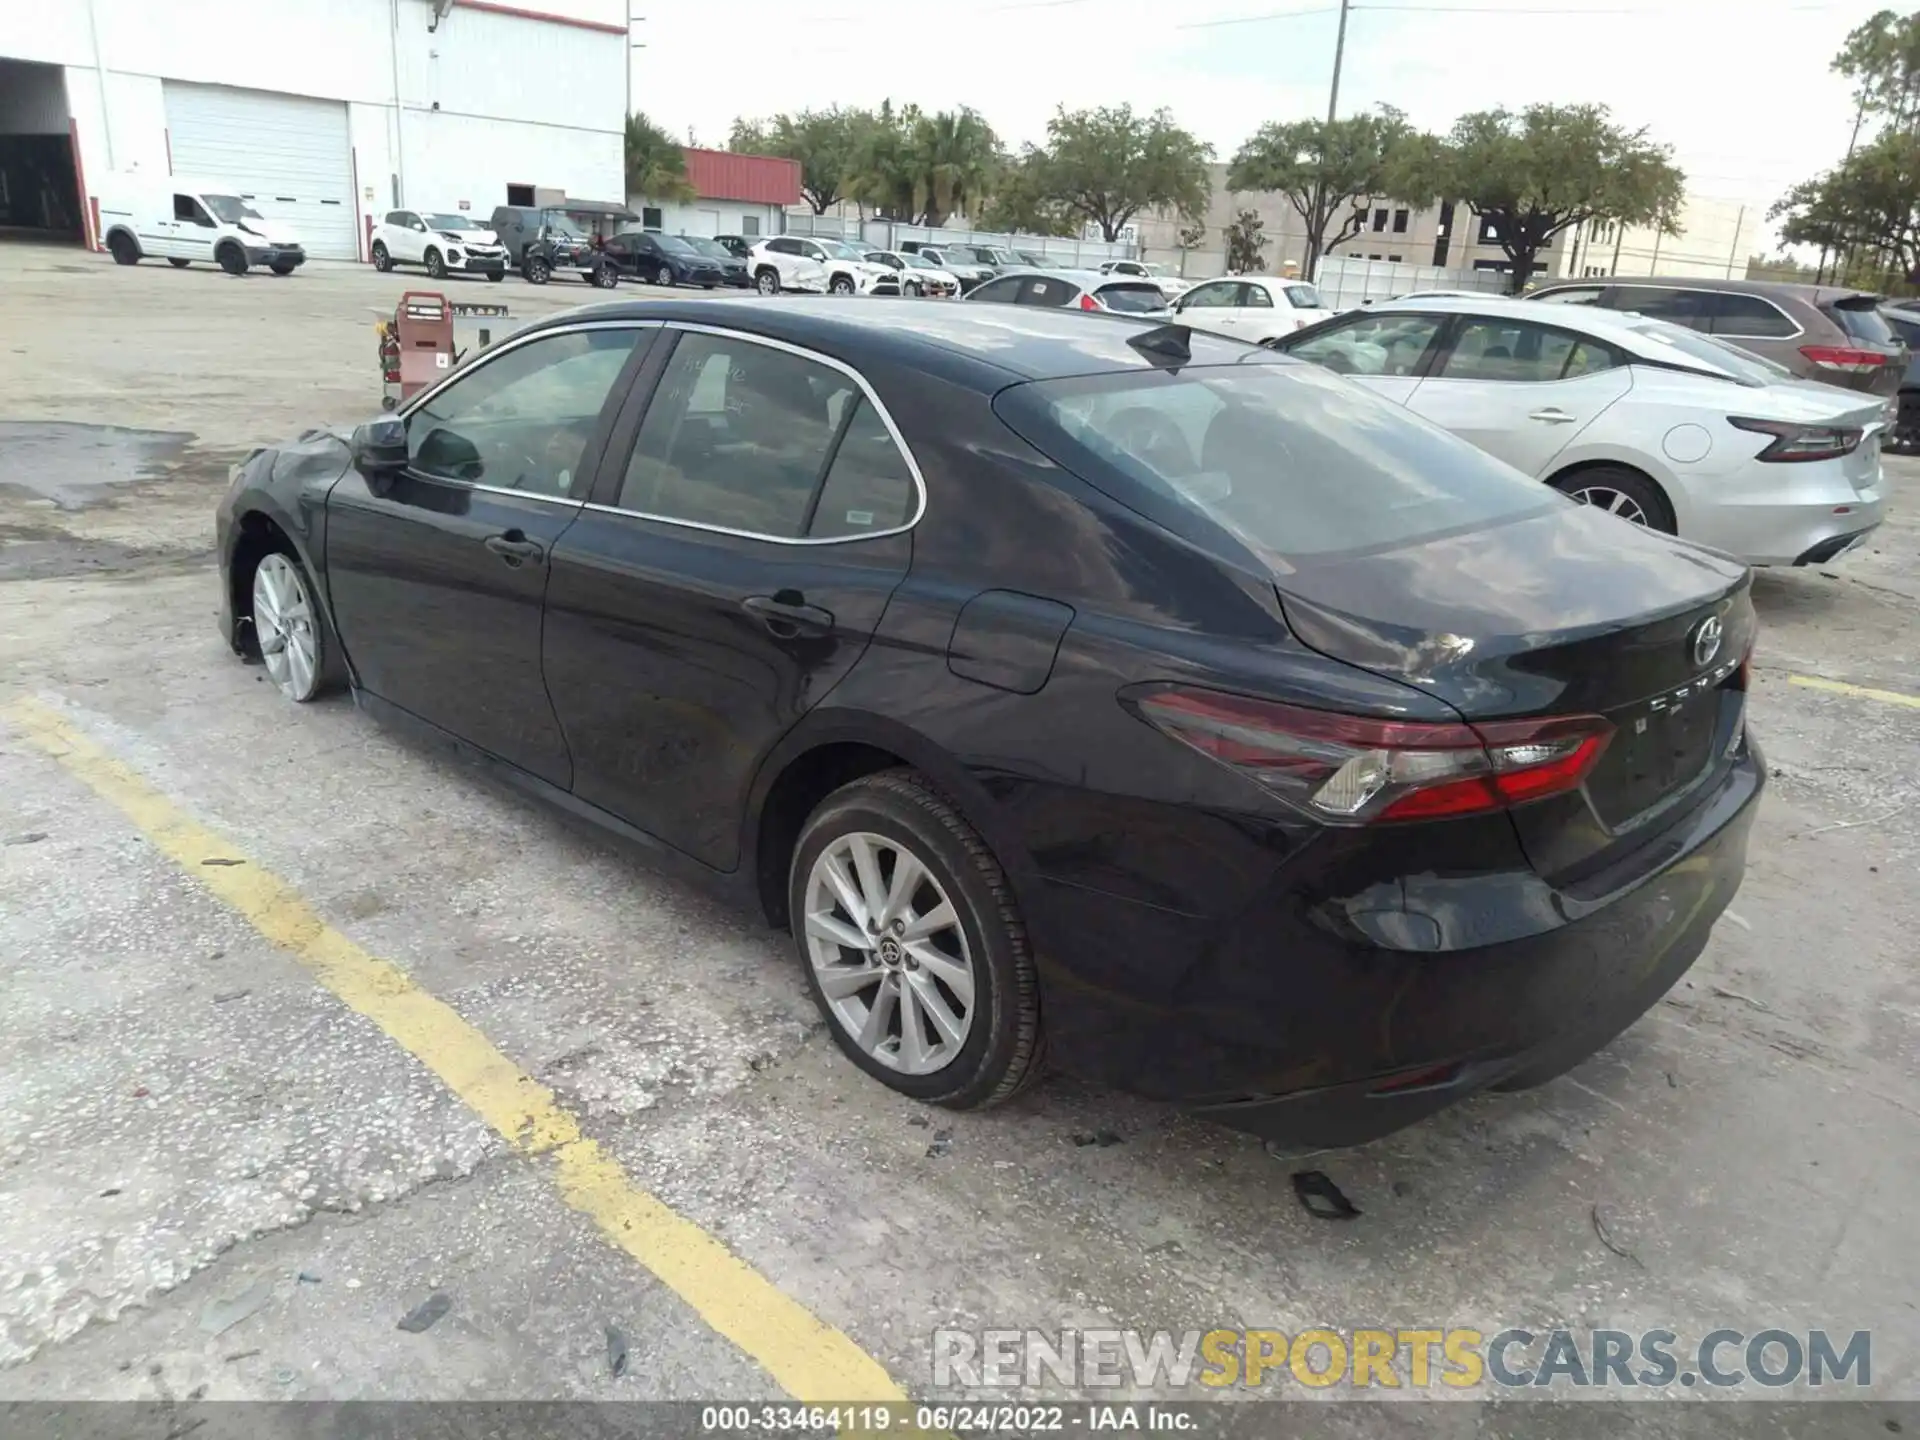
(1622, 492)
(913, 946)
(915, 288)
(841, 285)
(283, 267)
(382, 261)
(767, 281)
(232, 259)
(436, 265)
(291, 631)
(663, 276)
(536, 270)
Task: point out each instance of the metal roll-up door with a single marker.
(289, 156)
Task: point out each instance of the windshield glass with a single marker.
(559, 224)
(449, 222)
(674, 245)
(1031, 258)
(840, 250)
(1694, 351)
(919, 262)
(1304, 297)
(231, 208)
(1290, 459)
(712, 249)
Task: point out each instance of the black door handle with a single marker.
(787, 616)
(514, 548)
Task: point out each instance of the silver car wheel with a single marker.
(1614, 502)
(287, 627)
(889, 953)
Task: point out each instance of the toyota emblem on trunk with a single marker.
(1706, 641)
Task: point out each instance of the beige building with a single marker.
(1716, 237)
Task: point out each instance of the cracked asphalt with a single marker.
(218, 1180)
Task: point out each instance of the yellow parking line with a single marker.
(811, 1360)
(1840, 687)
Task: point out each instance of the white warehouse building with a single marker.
(324, 114)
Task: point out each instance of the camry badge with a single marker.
(1706, 641)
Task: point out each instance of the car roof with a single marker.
(1005, 343)
(1812, 294)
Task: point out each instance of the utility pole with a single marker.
(1339, 54)
(632, 45)
(1859, 115)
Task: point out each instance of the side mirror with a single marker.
(380, 448)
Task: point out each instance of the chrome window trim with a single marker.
(886, 419)
(1626, 281)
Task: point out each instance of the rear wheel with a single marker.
(536, 270)
(177, 262)
(496, 275)
(606, 275)
(436, 264)
(1622, 492)
(232, 259)
(913, 946)
(124, 249)
(767, 280)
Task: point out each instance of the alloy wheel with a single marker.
(1614, 502)
(889, 953)
(286, 626)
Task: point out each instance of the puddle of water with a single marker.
(76, 465)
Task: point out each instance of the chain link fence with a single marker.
(1066, 252)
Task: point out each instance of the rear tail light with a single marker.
(1087, 302)
(1356, 770)
(1800, 442)
(1844, 358)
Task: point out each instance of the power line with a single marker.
(1259, 19)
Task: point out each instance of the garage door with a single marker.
(287, 154)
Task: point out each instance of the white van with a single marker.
(181, 221)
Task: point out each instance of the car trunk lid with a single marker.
(1565, 612)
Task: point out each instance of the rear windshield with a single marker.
(1132, 297)
(1861, 321)
(1290, 459)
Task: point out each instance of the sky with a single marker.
(1741, 89)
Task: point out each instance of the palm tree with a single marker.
(881, 174)
(954, 156)
(656, 165)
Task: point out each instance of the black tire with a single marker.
(767, 280)
(1004, 1049)
(605, 275)
(283, 267)
(537, 270)
(840, 285)
(177, 262)
(663, 276)
(496, 276)
(124, 248)
(382, 261)
(232, 259)
(436, 264)
(1617, 480)
(915, 289)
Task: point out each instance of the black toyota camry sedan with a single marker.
(1071, 687)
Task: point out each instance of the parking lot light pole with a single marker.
(1339, 54)
(627, 60)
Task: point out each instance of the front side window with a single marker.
(1215, 295)
(1372, 345)
(521, 420)
(784, 246)
(188, 209)
(1515, 351)
(743, 436)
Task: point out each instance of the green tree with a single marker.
(1870, 202)
(1882, 59)
(1331, 172)
(656, 165)
(954, 155)
(1547, 168)
(823, 141)
(1108, 164)
(1021, 202)
(880, 169)
(1246, 246)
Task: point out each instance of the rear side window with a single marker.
(1045, 290)
(1517, 352)
(1676, 307)
(1861, 322)
(1750, 316)
(1004, 291)
(747, 437)
(1304, 297)
(1907, 330)
(1573, 295)
(1388, 344)
(1131, 297)
(1292, 462)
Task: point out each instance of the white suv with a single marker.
(444, 243)
(830, 267)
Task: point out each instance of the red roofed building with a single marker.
(733, 195)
